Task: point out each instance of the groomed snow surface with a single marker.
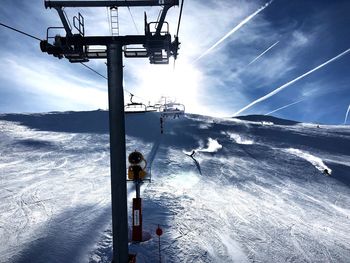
(261, 195)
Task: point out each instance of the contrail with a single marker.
(286, 106)
(290, 83)
(255, 59)
(346, 115)
(242, 23)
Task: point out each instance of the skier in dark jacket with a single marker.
(326, 172)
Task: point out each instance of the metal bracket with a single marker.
(80, 24)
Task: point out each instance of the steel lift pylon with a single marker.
(155, 44)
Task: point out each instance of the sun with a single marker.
(180, 83)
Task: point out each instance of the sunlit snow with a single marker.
(261, 195)
(239, 139)
(314, 160)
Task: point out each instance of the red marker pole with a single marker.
(137, 219)
(159, 232)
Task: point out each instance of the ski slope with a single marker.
(256, 194)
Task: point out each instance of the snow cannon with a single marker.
(136, 170)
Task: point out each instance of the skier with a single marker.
(192, 154)
(326, 172)
(195, 161)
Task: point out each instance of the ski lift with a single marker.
(151, 108)
(172, 109)
(157, 106)
(135, 107)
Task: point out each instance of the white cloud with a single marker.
(49, 81)
(218, 85)
(279, 89)
(299, 39)
(235, 29)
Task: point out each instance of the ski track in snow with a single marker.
(252, 203)
(314, 160)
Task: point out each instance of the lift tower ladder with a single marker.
(114, 21)
(156, 45)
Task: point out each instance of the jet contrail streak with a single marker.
(255, 59)
(291, 82)
(286, 106)
(242, 23)
(346, 115)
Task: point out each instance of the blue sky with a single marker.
(301, 36)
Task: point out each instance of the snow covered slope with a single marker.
(257, 193)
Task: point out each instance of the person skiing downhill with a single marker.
(195, 161)
(326, 172)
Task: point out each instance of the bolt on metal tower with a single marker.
(155, 44)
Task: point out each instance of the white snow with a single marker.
(314, 160)
(267, 123)
(239, 139)
(257, 198)
(212, 146)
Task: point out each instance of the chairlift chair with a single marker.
(172, 109)
(151, 108)
(135, 107)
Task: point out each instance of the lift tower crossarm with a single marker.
(119, 3)
(102, 40)
(64, 22)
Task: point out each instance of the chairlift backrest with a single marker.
(135, 106)
(174, 110)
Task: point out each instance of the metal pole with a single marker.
(138, 186)
(117, 150)
(160, 255)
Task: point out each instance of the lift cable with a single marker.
(178, 26)
(34, 37)
(19, 31)
(94, 70)
(102, 76)
(109, 20)
(180, 15)
(133, 20)
(24, 33)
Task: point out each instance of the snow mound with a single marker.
(212, 146)
(239, 139)
(267, 120)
